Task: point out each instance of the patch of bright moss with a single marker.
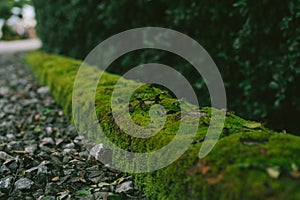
(235, 169)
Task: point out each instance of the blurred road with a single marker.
(19, 45)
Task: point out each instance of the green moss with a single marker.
(235, 169)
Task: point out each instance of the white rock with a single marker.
(124, 187)
(43, 90)
(4, 90)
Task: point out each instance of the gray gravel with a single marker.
(41, 155)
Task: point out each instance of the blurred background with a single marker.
(255, 44)
(17, 20)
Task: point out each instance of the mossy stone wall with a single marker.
(248, 162)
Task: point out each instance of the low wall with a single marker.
(248, 162)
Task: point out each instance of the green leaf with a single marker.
(83, 192)
(273, 85)
(37, 129)
(294, 167)
(252, 124)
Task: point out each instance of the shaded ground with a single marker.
(41, 155)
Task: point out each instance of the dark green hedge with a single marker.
(255, 44)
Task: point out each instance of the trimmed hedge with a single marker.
(256, 45)
(248, 162)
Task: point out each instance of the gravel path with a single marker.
(41, 155)
(7, 47)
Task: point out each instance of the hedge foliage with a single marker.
(248, 162)
(256, 45)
